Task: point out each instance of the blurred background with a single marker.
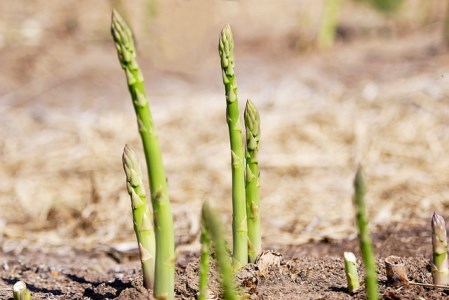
(337, 83)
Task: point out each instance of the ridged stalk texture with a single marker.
(252, 174)
(440, 266)
(352, 276)
(364, 237)
(204, 261)
(20, 291)
(214, 229)
(163, 219)
(239, 225)
(143, 221)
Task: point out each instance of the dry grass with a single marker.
(62, 134)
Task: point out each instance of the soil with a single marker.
(378, 98)
(312, 271)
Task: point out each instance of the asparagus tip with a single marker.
(349, 256)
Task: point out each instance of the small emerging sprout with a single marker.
(352, 275)
(440, 266)
(20, 291)
(364, 237)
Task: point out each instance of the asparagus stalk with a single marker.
(143, 222)
(165, 241)
(352, 276)
(328, 24)
(204, 263)
(252, 125)
(440, 265)
(364, 237)
(239, 225)
(213, 226)
(20, 291)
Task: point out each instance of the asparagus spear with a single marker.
(239, 225)
(252, 125)
(20, 291)
(328, 24)
(204, 263)
(213, 226)
(364, 237)
(165, 241)
(352, 276)
(440, 266)
(143, 223)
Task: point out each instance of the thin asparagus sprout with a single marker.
(239, 225)
(204, 263)
(20, 291)
(143, 221)
(352, 275)
(328, 24)
(213, 226)
(364, 237)
(163, 219)
(252, 125)
(440, 266)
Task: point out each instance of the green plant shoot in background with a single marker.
(364, 237)
(163, 219)
(214, 230)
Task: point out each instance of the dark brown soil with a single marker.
(315, 272)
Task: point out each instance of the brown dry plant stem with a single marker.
(163, 219)
(364, 237)
(239, 225)
(440, 265)
(143, 222)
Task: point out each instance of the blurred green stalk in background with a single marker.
(215, 232)
(364, 237)
(328, 26)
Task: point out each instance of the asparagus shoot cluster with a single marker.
(440, 265)
(20, 291)
(352, 276)
(143, 222)
(239, 221)
(213, 229)
(163, 219)
(364, 237)
(252, 125)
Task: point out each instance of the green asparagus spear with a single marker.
(163, 219)
(364, 237)
(239, 225)
(352, 276)
(143, 222)
(328, 24)
(20, 291)
(213, 226)
(204, 263)
(252, 125)
(440, 266)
